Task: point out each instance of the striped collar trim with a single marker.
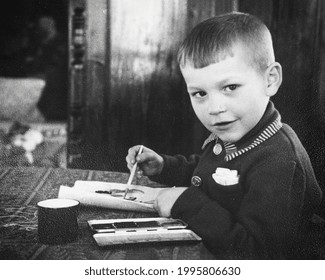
(231, 149)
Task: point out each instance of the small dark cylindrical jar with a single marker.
(58, 221)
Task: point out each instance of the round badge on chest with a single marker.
(196, 181)
(217, 149)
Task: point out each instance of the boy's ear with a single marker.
(273, 78)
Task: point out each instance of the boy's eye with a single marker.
(231, 88)
(199, 94)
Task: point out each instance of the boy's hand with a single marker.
(166, 199)
(149, 162)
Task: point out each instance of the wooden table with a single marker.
(20, 190)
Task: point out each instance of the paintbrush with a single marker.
(134, 168)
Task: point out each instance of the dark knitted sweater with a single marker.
(267, 214)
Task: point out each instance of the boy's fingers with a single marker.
(129, 165)
(132, 153)
(140, 158)
(144, 156)
(128, 159)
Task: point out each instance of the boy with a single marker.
(252, 192)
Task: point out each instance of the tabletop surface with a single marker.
(22, 188)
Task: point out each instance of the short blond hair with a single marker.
(211, 41)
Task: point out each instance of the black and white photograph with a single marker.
(190, 133)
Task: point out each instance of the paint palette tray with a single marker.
(140, 230)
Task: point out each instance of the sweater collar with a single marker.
(269, 124)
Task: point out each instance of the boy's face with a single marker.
(230, 96)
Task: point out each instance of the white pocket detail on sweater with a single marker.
(225, 176)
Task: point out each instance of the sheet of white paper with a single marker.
(85, 193)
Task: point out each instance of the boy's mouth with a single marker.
(223, 124)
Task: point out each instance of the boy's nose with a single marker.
(217, 105)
